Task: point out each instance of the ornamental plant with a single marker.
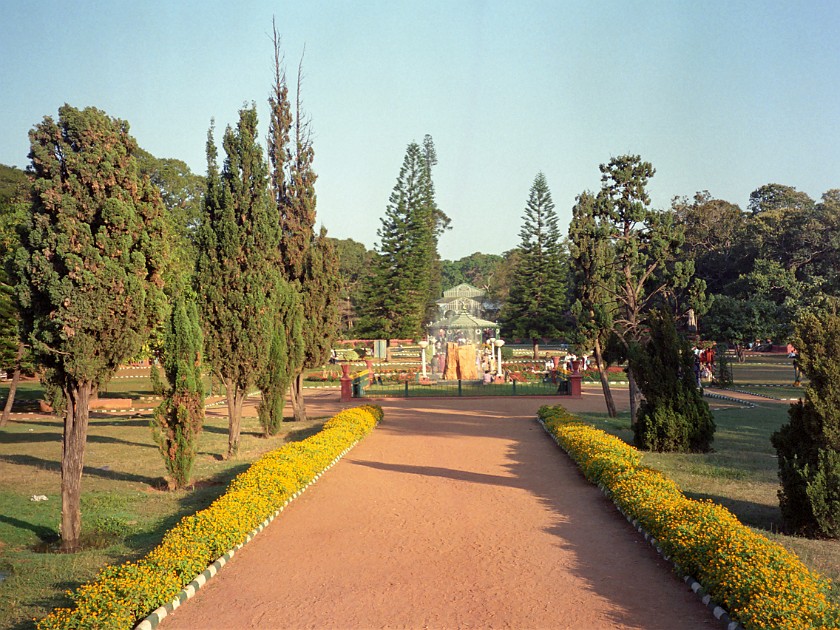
(760, 583)
(177, 421)
(673, 417)
(122, 595)
(809, 444)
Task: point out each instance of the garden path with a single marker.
(451, 514)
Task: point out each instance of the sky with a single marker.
(718, 96)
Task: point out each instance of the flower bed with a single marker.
(760, 583)
(121, 595)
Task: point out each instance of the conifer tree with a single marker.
(808, 446)
(644, 245)
(238, 280)
(397, 298)
(89, 270)
(592, 285)
(673, 417)
(178, 420)
(293, 186)
(537, 299)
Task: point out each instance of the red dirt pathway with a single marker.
(451, 514)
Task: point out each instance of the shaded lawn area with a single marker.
(124, 510)
(741, 474)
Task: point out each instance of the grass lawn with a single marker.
(124, 511)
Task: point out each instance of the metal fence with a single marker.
(364, 386)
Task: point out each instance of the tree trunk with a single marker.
(536, 343)
(605, 381)
(72, 463)
(10, 399)
(635, 397)
(296, 395)
(235, 398)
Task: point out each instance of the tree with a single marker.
(15, 201)
(399, 289)
(89, 269)
(354, 260)
(592, 286)
(673, 417)
(645, 248)
(309, 264)
(537, 300)
(178, 420)
(808, 446)
(238, 277)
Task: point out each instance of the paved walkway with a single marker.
(451, 514)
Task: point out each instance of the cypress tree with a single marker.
(673, 416)
(808, 446)
(537, 297)
(238, 279)
(293, 185)
(89, 270)
(178, 420)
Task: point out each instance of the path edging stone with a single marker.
(155, 617)
(717, 611)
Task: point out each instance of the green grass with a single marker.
(740, 474)
(124, 510)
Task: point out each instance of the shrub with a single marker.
(761, 584)
(808, 446)
(122, 595)
(177, 421)
(723, 373)
(673, 415)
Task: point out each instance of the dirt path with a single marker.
(452, 514)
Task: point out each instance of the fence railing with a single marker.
(364, 386)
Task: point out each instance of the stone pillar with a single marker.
(346, 383)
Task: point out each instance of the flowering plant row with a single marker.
(760, 583)
(121, 595)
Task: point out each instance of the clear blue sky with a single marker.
(724, 96)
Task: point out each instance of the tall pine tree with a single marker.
(399, 290)
(238, 280)
(537, 299)
(89, 270)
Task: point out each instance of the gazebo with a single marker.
(464, 328)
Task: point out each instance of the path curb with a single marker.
(153, 620)
(719, 613)
(741, 401)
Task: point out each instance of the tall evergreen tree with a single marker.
(238, 278)
(178, 420)
(397, 298)
(305, 259)
(644, 244)
(537, 300)
(808, 446)
(89, 270)
(592, 285)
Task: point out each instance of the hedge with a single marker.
(759, 582)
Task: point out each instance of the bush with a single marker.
(723, 373)
(761, 584)
(673, 416)
(177, 421)
(808, 446)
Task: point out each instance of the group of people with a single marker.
(704, 364)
